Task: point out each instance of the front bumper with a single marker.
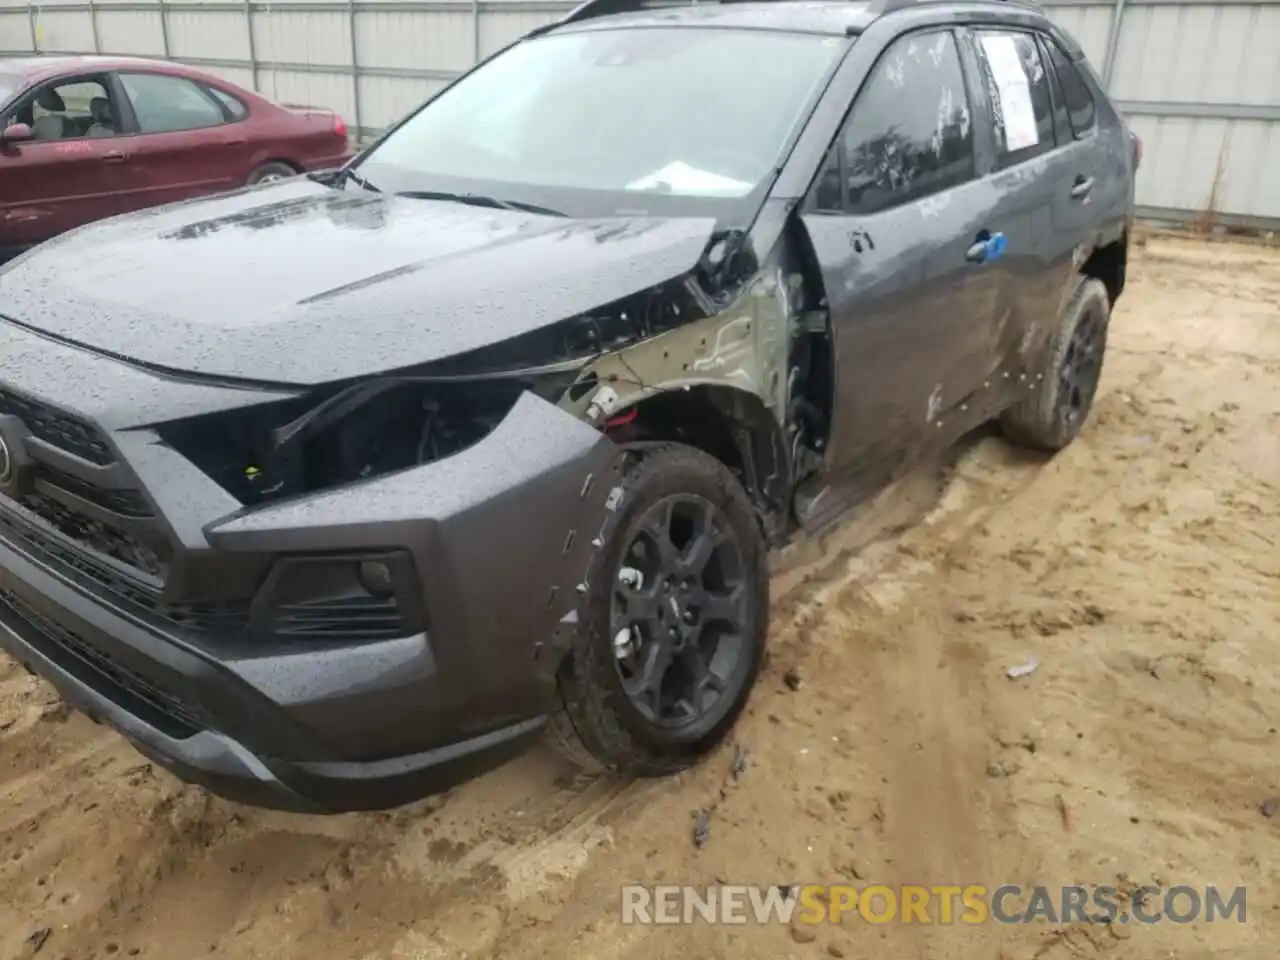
(500, 536)
(231, 769)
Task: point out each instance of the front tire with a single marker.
(674, 622)
(1051, 417)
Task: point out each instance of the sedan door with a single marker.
(184, 143)
(71, 172)
(902, 234)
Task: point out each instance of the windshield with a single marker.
(607, 122)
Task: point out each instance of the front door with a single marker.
(901, 229)
(71, 173)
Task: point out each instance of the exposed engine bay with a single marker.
(744, 340)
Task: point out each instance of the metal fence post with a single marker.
(253, 47)
(93, 25)
(475, 31)
(164, 27)
(1113, 43)
(355, 72)
(35, 32)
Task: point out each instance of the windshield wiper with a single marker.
(346, 173)
(476, 200)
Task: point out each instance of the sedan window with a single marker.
(67, 111)
(164, 104)
(235, 109)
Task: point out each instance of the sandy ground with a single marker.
(1141, 566)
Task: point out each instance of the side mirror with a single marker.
(16, 133)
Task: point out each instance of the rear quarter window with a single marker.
(236, 109)
(1075, 91)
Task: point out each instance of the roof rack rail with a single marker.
(893, 6)
(590, 9)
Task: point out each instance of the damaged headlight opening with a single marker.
(348, 432)
(311, 444)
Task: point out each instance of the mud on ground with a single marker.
(1141, 567)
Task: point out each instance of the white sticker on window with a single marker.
(680, 177)
(1013, 92)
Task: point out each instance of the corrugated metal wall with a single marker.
(1200, 81)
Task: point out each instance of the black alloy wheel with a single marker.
(680, 613)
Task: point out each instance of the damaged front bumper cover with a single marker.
(500, 536)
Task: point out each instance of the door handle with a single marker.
(1082, 187)
(986, 248)
(114, 156)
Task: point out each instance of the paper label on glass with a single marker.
(1016, 111)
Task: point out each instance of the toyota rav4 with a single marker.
(332, 492)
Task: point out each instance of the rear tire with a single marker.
(269, 172)
(1051, 417)
(708, 620)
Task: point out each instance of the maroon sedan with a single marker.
(82, 138)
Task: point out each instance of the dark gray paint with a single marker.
(362, 284)
(359, 283)
(912, 315)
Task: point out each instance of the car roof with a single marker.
(38, 66)
(832, 17)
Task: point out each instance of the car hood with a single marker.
(298, 283)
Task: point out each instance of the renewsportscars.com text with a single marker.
(938, 904)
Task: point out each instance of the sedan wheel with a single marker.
(270, 173)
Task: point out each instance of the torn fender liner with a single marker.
(501, 532)
(371, 283)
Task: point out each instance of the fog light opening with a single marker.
(375, 577)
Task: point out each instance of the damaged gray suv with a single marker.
(331, 493)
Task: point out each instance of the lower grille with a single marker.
(113, 582)
(127, 503)
(98, 536)
(339, 619)
(95, 668)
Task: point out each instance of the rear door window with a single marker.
(166, 104)
(1075, 91)
(1017, 84)
(909, 134)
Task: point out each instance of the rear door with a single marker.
(1088, 187)
(72, 172)
(1033, 176)
(185, 142)
(902, 231)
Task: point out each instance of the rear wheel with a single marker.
(674, 619)
(1051, 417)
(269, 172)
